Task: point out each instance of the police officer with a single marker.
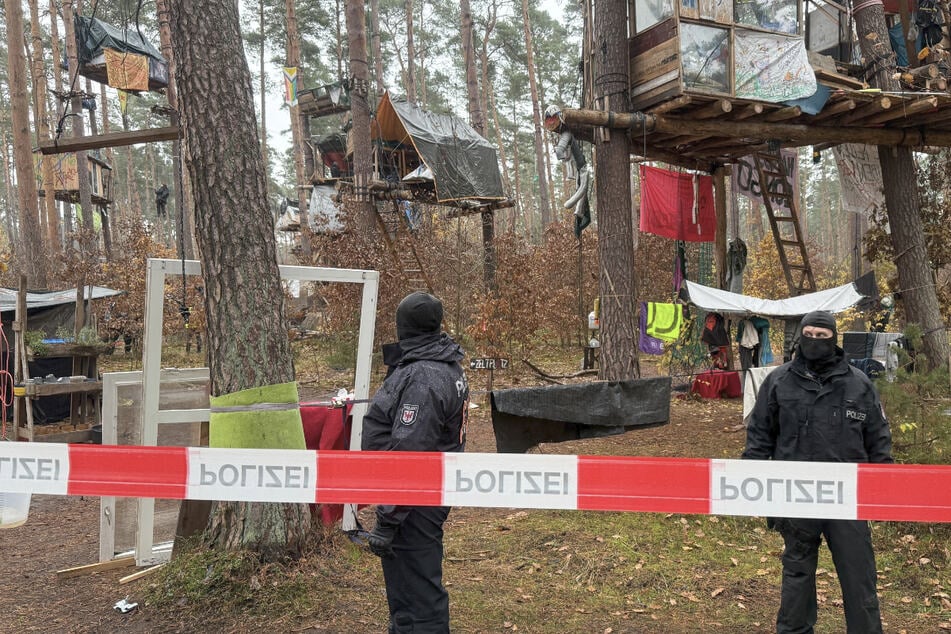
(421, 406)
(819, 408)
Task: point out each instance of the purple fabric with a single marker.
(647, 344)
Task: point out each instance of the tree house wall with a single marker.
(682, 47)
(66, 177)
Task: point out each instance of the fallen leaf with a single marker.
(507, 624)
(608, 630)
(924, 561)
(717, 592)
(734, 561)
(906, 599)
(741, 606)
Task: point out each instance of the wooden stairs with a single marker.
(402, 246)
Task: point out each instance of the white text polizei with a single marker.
(492, 480)
(783, 489)
(239, 474)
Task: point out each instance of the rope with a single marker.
(6, 382)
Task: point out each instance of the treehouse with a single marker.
(121, 58)
(713, 80)
(66, 177)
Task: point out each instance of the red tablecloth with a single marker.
(717, 384)
(326, 428)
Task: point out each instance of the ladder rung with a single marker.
(792, 243)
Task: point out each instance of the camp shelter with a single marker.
(464, 165)
(94, 37)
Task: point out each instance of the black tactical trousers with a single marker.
(850, 543)
(419, 604)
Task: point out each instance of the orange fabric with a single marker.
(127, 71)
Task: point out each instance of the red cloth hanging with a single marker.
(326, 428)
(667, 205)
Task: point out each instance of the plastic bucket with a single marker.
(14, 509)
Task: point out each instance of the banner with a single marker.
(127, 71)
(771, 67)
(123, 101)
(860, 177)
(746, 179)
(290, 85)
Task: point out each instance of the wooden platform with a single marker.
(716, 130)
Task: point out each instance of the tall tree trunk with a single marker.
(519, 202)
(339, 42)
(263, 88)
(360, 113)
(57, 55)
(30, 252)
(619, 359)
(87, 239)
(900, 182)
(185, 228)
(300, 142)
(410, 54)
(238, 252)
(543, 198)
(477, 121)
(43, 131)
(420, 61)
(375, 45)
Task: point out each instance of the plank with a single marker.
(139, 574)
(113, 139)
(99, 566)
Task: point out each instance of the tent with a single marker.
(834, 300)
(94, 36)
(464, 165)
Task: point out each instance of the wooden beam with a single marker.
(712, 110)
(834, 110)
(924, 105)
(673, 104)
(749, 110)
(788, 133)
(88, 569)
(139, 574)
(113, 139)
(863, 112)
(783, 114)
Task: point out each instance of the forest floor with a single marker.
(507, 570)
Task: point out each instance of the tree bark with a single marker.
(297, 134)
(244, 303)
(263, 88)
(543, 197)
(185, 229)
(360, 113)
(43, 132)
(619, 360)
(410, 54)
(477, 121)
(87, 239)
(30, 252)
(900, 182)
(375, 45)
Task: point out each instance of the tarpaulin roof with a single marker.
(834, 300)
(93, 35)
(463, 163)
(46, 299)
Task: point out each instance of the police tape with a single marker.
(919, 493)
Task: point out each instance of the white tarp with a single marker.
(46, 299)
(834, 300)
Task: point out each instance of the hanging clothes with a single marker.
(765, 348)
(717, 339)
(646, 343)
(680, 266)
(736, 262)
(664, 321)
(748, 338)
(677, 205)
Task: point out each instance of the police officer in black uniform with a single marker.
(421, 406)
(819, 408)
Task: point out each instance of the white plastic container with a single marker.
(14, 509)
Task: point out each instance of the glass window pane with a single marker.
(647, 13)
(705, 51)
(775, 15)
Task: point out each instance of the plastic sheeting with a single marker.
(524, 417)
(93, 36)
(8, 297)
(834, 300)
(463, 163)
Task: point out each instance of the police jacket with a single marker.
(423, 402)
(832, 417)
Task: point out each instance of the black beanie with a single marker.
(819, 319)
(418, 314)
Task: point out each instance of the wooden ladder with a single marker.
(402, 246)
(777, 188)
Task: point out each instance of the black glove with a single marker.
(381, 538)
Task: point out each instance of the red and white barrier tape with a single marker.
(920, 493)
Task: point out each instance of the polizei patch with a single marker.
(408, 414)
(854, 414)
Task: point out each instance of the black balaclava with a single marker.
(819, 354)
(418, 314)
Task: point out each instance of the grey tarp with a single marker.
(463, 163)
(524, 417)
